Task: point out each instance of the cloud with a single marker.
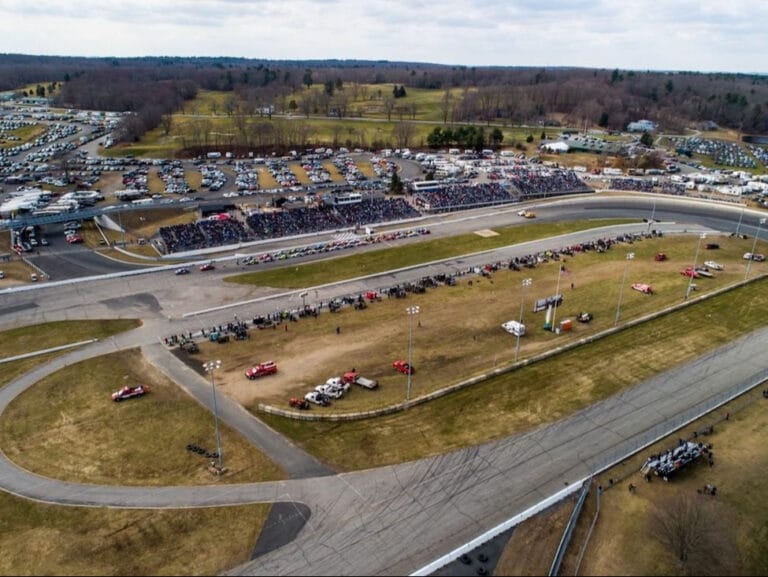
(641, 34)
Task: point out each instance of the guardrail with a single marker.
(568, 533)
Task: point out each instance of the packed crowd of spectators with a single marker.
(203, 234)
(544, 183)
(672, 188)
(304, 220)
(633, 184)
(724, 153)
(462, 196)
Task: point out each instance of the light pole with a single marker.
(412, 312)
(557, 293)
(741, 217)
(693, 269)
(630, 256)
(210, 367)
(760, 223)
(526, 283)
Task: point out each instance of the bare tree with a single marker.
(389, 106)
(166, 122)
(695, 530)
(446, 106)
(402, 133)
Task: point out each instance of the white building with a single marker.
(642, 126)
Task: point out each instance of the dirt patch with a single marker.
(486, 233)
(297, 364)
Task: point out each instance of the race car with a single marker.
(403, 367)
(130, 392)
(207, 266)
(181, 271)
(265, 368)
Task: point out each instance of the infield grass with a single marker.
(139, 441)
(41, 539)
(382, 260)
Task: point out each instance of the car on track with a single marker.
(403, 367)
(181, 271)
(262, 369)
(207, 266)
(129, 392)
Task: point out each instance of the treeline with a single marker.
(153, 86)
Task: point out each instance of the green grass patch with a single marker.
(536, 394)
(387, 259)
(41, 539)
(40, 337)
(68, 427)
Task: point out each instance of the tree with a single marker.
(307, 78)
(529, 138)
(166, 122)
(646, 139)
(329, 87)
(603, 121)
(389, 106)
(497, 136)
(395, 184)
(692, 528)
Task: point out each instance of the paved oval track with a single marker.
(396, 519)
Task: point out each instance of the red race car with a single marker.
(130, 392)
(403, 367)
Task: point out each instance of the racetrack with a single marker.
(396, 519)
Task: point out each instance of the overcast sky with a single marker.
(705, 35)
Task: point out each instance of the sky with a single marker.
(701, 35)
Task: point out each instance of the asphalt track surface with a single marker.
(389, 520)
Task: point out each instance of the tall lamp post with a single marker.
(526, 283)
(760, 223)
(630, 257)
(693, 270)
(557, 293)
(412, 312)
(210, 367)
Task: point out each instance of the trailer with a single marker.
(355, 378)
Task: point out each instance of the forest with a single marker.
(155, 87)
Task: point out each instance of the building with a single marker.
(642, 126)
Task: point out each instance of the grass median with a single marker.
(67, 427)
(382, 260)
